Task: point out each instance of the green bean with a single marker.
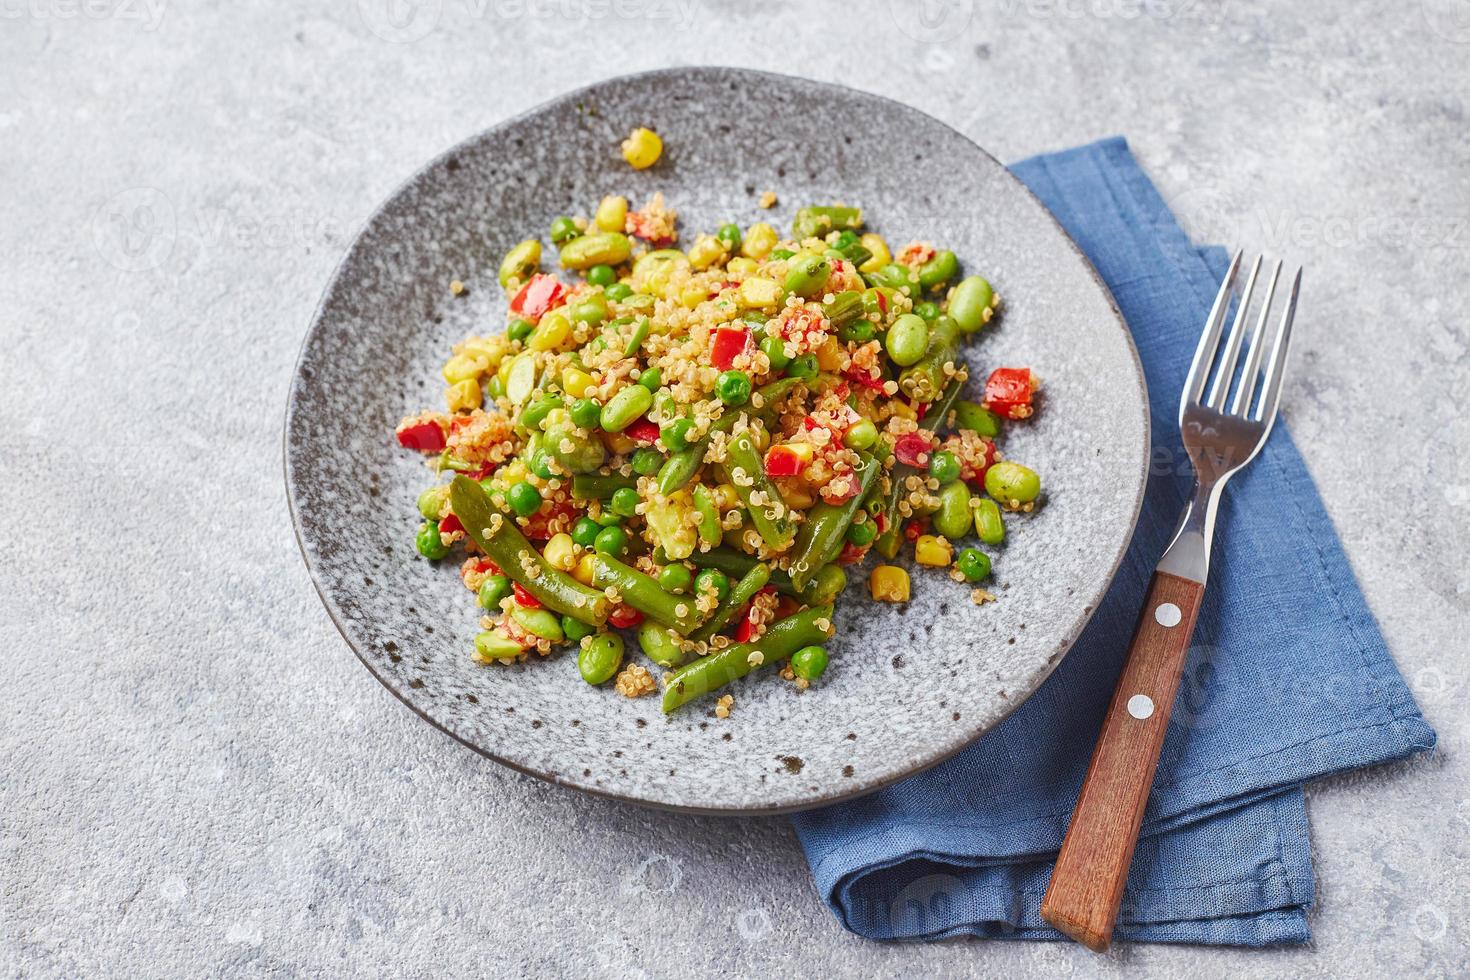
(742, 592)
(626, 407)
(600, 486)
(822, 533)
(520, 262)
(907, 339)
(939, 270)
(815, 222)
(926, 378)
(935, 418)
(976, 418)
(989, 525)
(779, 642)
(953, 519)
(635, 341)
(972, 304)
(708, 524)
(1011, 484)
(500, 539)
(682, 464)
(661, 644)
(768, 509)
(601, 248)
(806, 275)
(642, 592)
(845, 307)
(600, 658)
(856, 253)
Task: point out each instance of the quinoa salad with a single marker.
(694, 448)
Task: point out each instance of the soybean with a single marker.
(939, 270)
(538, 622)
(520, 262)
(626, 407)
(953, 519)
(907, 339)
(600, 658)
(989, 525)
(806, 276)
(660, 644)
(1012, 485)
(971, 304)
(601, 248)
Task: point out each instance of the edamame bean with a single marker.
(907, 339)
(971, 304)
(563, 230)
(612, 211)
(519, 329)
(493, 589)
(520, 262)
(939, 270)
(591, 310)
(1012, 485)
(618, 292)
(990, 527)
(626, 407)
(953, 519)
(775, 350)
(538, 622)
(806, 276)
(575, 629)
(601, 248)
(492, 645)
(659, 643)
(600, 658)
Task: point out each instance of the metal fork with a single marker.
(1086, 885)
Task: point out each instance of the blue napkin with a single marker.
(1288, 680)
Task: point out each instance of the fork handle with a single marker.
(1086, 885)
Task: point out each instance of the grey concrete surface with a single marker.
(197, 776)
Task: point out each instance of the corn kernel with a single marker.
(512, 473)
(706, 251)
(463, 367)
(561, 552)
(903, 410)
(492, 349)
(552, 332)
(618, 442)
(797, 496)
(742, 267)
(612, 211)
(829, 355)
(888, 583)
(642, 148)
(463, 396)
(759, 240)
(691, 296)
(759, 293)
(933, 551)
(725, 496)
(881, 256)
(583, 570)
(576, 382)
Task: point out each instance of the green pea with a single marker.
(495, 387)
(585, 531)
(733, 387)
(602, 275)
(675, 578)
(611, 541)
(989, 525)
(862, 535)
(586, 413)
(1011, 484)
(520, 262)
(608, 518)
(730, 235)
(624, 501)
(809, 663)
(907, 339)
(675, 434)
(493, 589)
(943, 466)
(647, 462)
(973, 564)
(519, 329)
(538, 622)
(896, 276)
(651, 378)
(577, 453)
(939, 270)
(574, 629)
(524, 499)
(600, 657)
(712, 580)
(952, 519)
(618, 292)
(976, 418)
(803, 367)
(927, 311)
(496, 646)
(564, 229)
(602, 248)
(591, 310)
(540, 464)
(862, 434)
(626, 407)
(971, 303)
(428, 542)
(857, 332)
(660, 644)
(806, 276)
(775, 350)
(431, 501)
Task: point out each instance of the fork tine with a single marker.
(1276, 372)
(1225, 374)
(1209, 341)
(1242, 402)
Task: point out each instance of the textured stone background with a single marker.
(197, 776)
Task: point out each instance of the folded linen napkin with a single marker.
(1289, 678)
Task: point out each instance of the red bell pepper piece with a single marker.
(913, 449)
(450, 523)
(624, 617)
(912, 530)
(642, 431)
(541, 292)
(851, 554)
(1008, 392)
(728, 343)
(425, 435)
(784, 459)
(524, 598)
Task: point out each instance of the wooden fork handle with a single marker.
(1087, 883)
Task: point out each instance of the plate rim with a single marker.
(1071, 635)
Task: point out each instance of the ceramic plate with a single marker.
(908, 685)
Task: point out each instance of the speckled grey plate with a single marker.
(907, 686)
